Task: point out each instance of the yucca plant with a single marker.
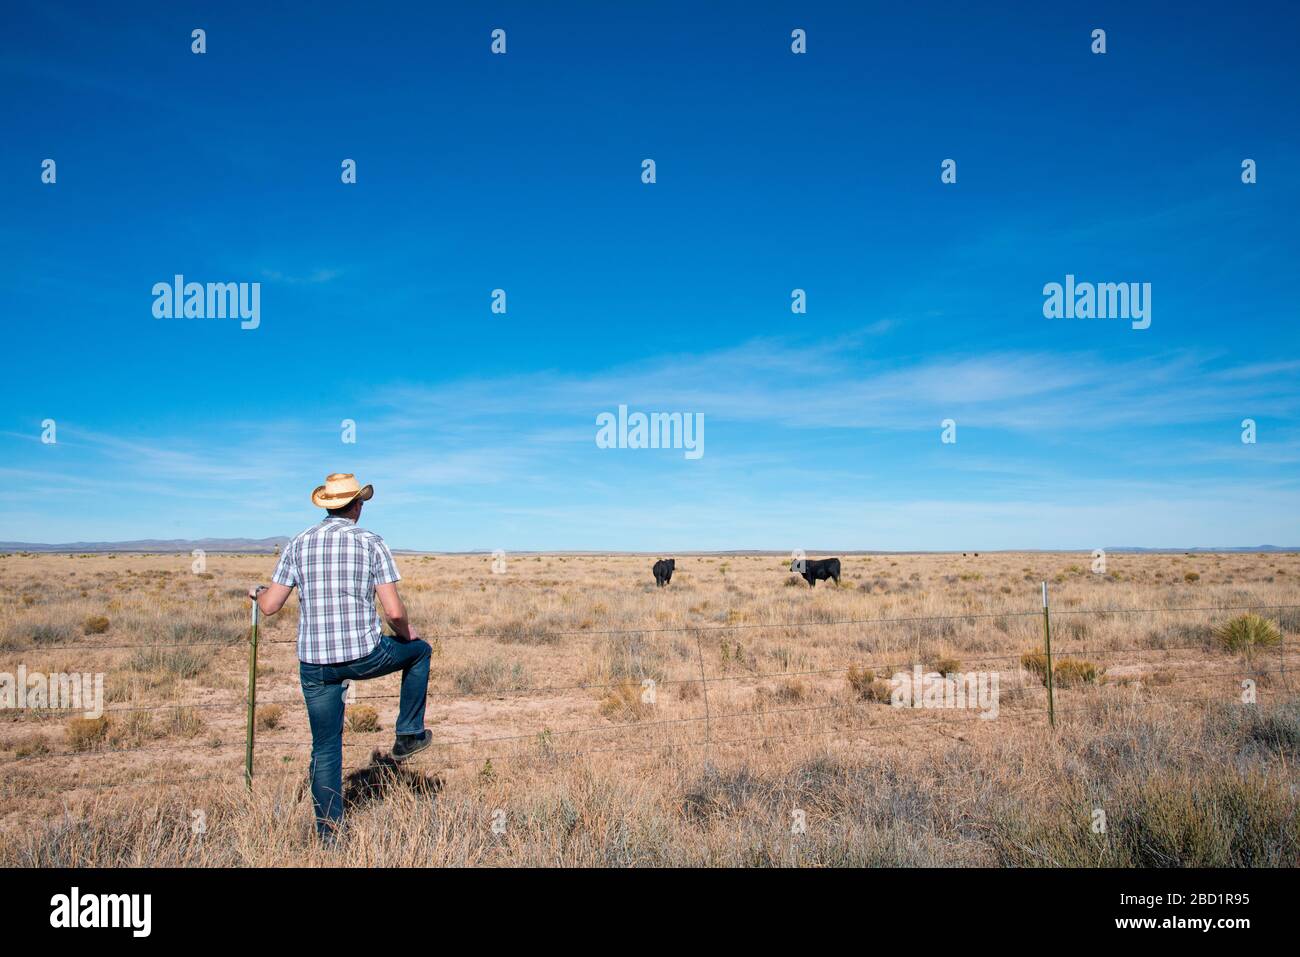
(1247, 632)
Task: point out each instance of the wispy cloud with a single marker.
(829, 387)
(315, 277)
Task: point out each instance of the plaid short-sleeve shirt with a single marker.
(335, 566)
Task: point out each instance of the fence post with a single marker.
(252, 699)
(1047, 639)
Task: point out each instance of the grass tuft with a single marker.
(867, 686)
(269, 716)
(86, 734)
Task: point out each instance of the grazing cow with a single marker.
(818, 569)
(664, 571)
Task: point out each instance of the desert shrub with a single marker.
(1219, 818)
(1066, 672)
(40, 633)
(1180, 634)
(489, 675)
(95, 625)
(132, 729)
(1035, 662)
(867, 686)
(789, 692)
(84, 734)
(1191, 577)
(1288, 619)
(720, 793)
(944, 665)
(688, 690)
(860, 679)
(783, 655)
(183, 723)
(938, 631)
(362, 718)
(1224, 819)
(206, 630)
(29, 746)
(1246, 632)
(1274, 729)
(634, 657)
(520, 631)
(268, 717)
(1074, 671)
(733, 652)
(623, 702)
(1074, 629)
(177, 661)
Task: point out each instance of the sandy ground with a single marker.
(549, 661)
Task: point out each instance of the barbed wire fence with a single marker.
(878, 719)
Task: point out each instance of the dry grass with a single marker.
(626, 701)
(867, 686)
(84, 734)
(362, 719)
(538, 687)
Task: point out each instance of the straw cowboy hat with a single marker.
(339, 490)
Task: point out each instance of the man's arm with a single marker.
(273, 596)
(270, 598)
(395, 611)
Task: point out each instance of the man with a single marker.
(338, 567)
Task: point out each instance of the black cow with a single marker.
(664, 571)
(818, 569)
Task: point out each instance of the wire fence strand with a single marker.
(1166, 675)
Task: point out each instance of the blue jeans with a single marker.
(322, 689)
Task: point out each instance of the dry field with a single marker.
(537, 700)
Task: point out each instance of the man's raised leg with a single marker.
(412, 657)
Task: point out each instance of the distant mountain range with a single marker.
(1244, 548)
(268, 545)
(154, 545)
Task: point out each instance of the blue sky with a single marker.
(775, 171)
